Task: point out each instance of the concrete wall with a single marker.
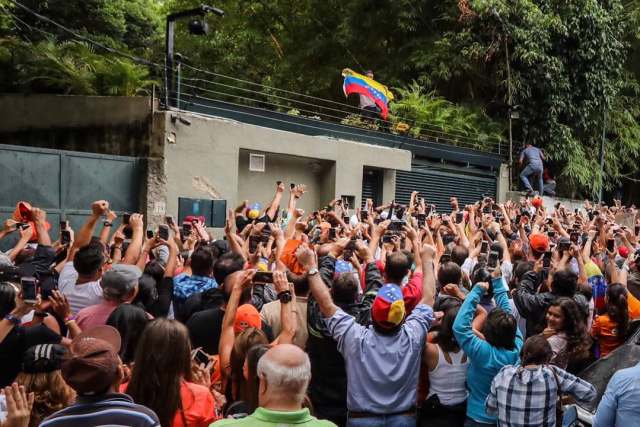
(95, 124)
(260, 186)
(203, 160)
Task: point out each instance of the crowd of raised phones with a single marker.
(395, 315)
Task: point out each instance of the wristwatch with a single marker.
(107, 224)
(13, 319)
(312, 272)
(284, 297)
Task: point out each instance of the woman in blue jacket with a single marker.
(501, 344)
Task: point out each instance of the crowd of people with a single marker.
(394, 315)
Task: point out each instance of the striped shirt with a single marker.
(526, 397)
(113, 409)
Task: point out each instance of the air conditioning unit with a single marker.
(256, 162)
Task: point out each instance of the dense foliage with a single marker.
(574, 65)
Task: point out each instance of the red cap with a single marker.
(623, 251)
(537, 202)
(246, 317)
(539, 242)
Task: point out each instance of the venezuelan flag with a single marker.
(363, 85)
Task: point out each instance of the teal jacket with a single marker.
(485, 360)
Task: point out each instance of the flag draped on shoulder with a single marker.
(363, 85)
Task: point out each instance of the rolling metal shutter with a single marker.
(438, 183)
(372, 186)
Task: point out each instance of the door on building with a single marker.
(437, 183)
(64, 183)
(372, 186)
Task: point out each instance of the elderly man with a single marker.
(284, 373)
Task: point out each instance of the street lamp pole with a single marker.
(510, 101)
(169, 43)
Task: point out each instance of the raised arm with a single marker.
(234, 244)
(287, 320)
(107, 226)
(275, 203)
(307, 258)
(240, 281)
(39, 217)
(429, 278)
(98, 208)
(133, 250)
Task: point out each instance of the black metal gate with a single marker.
(372, 186)
(64, 183)
(437, 183)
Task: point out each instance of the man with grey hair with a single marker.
(284, 373)
(119, 286)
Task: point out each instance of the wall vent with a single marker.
(256, 162)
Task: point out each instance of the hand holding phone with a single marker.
(29, 287)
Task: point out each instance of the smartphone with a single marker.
(263, 277)
(254, 240)
(186, 228)
(575, 236)
(65, 237)
(637, 229)
(332, 233)
(168, 219)
(163, 232)
(63, 225)
(422, 220)
(484, 248)
(611, 245)
(564, 246)
(492, 261)
(29, 289)
(518, 217)
(125, 218)
(551, 234)
(395, 226)
(546, 260)
(149, 234)
(459, 217)
(427, 210)
(364, 216)
(292, 186)
(265, 235)
(200, 357)
(347, 254)
(346, 219)
(486, 210)
(576, 210)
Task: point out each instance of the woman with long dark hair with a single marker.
(162, 377)
(446, 364)
(566, 332)
(130, 321)
(611, 328)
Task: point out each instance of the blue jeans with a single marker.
(527, 172)
(384, 421)
(473, 423)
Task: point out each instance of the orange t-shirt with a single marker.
(605, 330)
(198, 404)
(634, 306)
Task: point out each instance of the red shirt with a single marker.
(198, 404)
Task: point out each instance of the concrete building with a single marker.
(62, 152)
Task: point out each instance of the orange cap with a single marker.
(539, 242)
(23, 214)
(246, 317)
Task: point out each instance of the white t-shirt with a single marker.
(79, 296)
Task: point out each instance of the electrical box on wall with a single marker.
(213, 211)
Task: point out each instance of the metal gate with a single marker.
(437, 183)
(372, 186)
(64, 183)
